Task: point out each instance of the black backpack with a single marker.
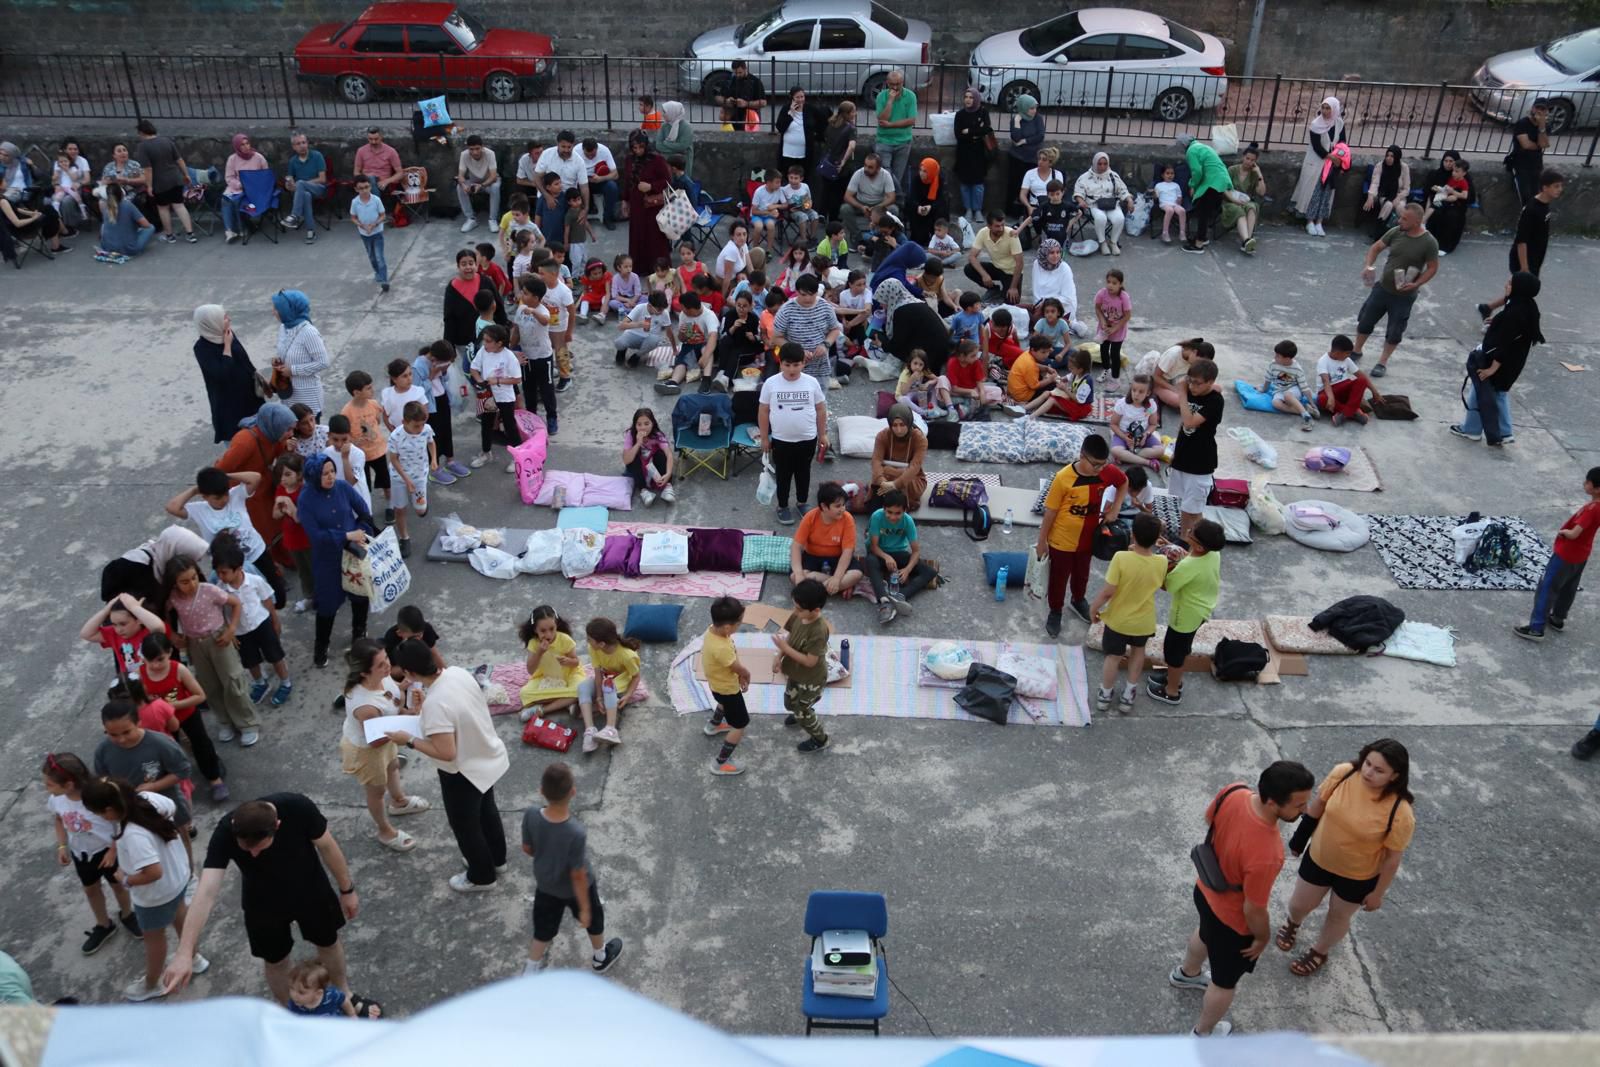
(1497, 550)
(1238, 661)
(976, 521)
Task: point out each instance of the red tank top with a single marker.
(171, 689)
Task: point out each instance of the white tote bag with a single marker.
(676, 215)
(391, 578)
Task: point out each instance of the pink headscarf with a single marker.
(247, 151)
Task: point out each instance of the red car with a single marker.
(434, 47)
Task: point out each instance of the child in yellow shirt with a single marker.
(1127, 606)
(614, 658)
(728, 679)
(554, 669)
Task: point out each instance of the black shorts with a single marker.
(734, 713)
(90, 871)
(168, 197)
(548, 909)
(1117, 644)
(1176, 646)
(271, 939)
(259, 646)
(377, 473)
(814, 564)
(1349, 890)
(1224, 946)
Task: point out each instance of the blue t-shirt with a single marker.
(1057, 333)
(966, 326)
(892, 537)
(121, 236)
(304, 170)
(367, 212)
(552, 219)
(332, 1003)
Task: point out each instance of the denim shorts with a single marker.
(161, 916)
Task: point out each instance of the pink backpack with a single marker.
(1329, 458)
(530, 455)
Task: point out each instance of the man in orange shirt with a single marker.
(1234, 926)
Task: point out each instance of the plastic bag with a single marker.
(1035, 675)
(1225, 138)
(458, 536)
(1466, 537)
(543, 554)
(1264, 509)
(1329, 459)
(1140, 218)
(1037, 578)
(1255, 449)
(885, 368)
(947, 660)
(456, 388)
(968, 235)
(836, 668)
(767, 484)
(943, 124)
(1087, 247)
(493, 563)
(580, 552)
(1168, 443)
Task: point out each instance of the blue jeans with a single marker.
(609, 195)
(972, 199)
(380, 266)
(230, 212)
(305, 194)
(142, 237)
(1497, 424)
(1557, 588)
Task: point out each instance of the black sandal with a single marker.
(1287, 933)
(366, 1007)
(1308, 964)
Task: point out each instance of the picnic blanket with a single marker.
(1423, 642)
(514, 675)
(1359, 476)
(711, 584)
(1420, 553)
(884, 682)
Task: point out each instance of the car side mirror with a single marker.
(1062, 57)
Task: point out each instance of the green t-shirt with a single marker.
(892, 537)
(904, 108)
(810, 638)
(15, 988)
(1406, 252)
(1193, 585)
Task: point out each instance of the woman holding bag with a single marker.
(645, 182)
(1325, 130)
(833, 166)
(1494, 366)
(334, 518)
(1358, 825)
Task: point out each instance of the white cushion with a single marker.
(1350, 534)
(664, 552)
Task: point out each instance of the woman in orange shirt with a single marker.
(825, 544)
(1358, 825)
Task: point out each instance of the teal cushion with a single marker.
(652, 622)
(766, 553)
(594, 518)
(1252, 398)
(1015, 562)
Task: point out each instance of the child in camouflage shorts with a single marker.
(803, 660)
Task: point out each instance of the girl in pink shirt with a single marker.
(209, 618)
(1113, 310)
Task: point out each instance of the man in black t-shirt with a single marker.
(281, 844)
(166, 172)
(1528, 142)
(1194, 455)
(1532, 241)
(743, 93)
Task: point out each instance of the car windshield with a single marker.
(1185, 36)
(1048, 36)
(759, 26)
(1573, 55)
(465, 28)
(890, 21)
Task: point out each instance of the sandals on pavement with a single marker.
(412, 806)
(1308, 964)
(400, 842)
(1287, 933)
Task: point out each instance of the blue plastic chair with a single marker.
(258, 207)
(840, 909)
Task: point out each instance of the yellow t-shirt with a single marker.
(1350, 841)
(1131, 611)
(719, 656)
(550, 668)
(622, 663)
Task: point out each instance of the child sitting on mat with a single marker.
(554, 670)
(612, 682)
(1073, 395)
(1286, 384)
(1136, 426)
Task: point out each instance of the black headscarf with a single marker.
(1389, 175)
(1521, 308)
(1514, 331)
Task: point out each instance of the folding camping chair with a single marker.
(713, 450)
(788, 229)
(203, 198)
(837, 909)
(413, 192)
(258, 207)
(710, 215)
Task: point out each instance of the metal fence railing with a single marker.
(601, 92)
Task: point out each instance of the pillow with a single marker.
(1252, 398)
(608, 491)
(1035, 675)
(857, 434)
(569, 483)
(716, 550)
(580, 518)
(614, 557)
(885, 402)
(765, 553)
(1051, 442)
(652, 622)
(1350, 534)
(990, 442)
(1015, 562)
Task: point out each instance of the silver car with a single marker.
(1566, 72)
(827, 47)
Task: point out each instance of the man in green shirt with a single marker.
(1412, 263)
(897, 115)
(1193, 585)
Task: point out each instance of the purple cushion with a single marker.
(632, 569)
(885, 402)
(716, 550)
(614, 557)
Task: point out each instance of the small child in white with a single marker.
(943, 246)
(259, 631)
(367, 212)
(1136, 426)
(496, 366)
(1286, 384)
(1169, 198)
(412, 456)
(801, 208)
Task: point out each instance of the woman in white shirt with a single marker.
(1035, 184)
(1101, 192)
(153, 864)
(370, 692)
(1052, 276)
(734, 257)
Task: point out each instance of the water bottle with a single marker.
(1000, 582)
(894, 583)
(1006, 526)
(844, 653)
(827, 567)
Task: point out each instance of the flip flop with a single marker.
(412, 806)
(400, 842)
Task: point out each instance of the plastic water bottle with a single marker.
(827, 568)
(844, 653)
(1000, 582)
(1006, 526)
(894, 583)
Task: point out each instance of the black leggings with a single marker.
(636, 469)
(358, 624)
(506, 415)
(539, 386)
(1111, 357)
(205, 753)
(1204, 213)
(792, 459)
(443, 439)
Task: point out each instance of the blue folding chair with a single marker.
(840, 909)
(711, 451)
(709, 215)
(258, 207)
(746, 449)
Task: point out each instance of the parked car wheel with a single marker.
(1008, 95)
(356, 88)
(870, 90)
(715, 85)
(1174, 105)
(1561, 117)
(501, 88)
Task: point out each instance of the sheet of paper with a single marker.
(1574, 367)
(379, 727)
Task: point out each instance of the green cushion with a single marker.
(766, 552)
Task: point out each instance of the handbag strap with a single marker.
(1216, 808)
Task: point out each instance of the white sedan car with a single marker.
(1100, 56)
(1566, 72)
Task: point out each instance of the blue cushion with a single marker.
(1016, 562)
(1252, 398)
(652, 622)
(816, 1005)
(583, 519)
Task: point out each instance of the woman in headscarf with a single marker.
(300, 351)
(645, 179)
(897, 455)
(1052, 277)
(261, 438)
(1027, 137)
(975, 146)
(334, 516)
(1388, 188)
(1102, 193)
(1493, 367)
(1325, 130)
(13, 216)
(143, 570)
(1209, 184)
(674, 138)
(14, 181)
(926, 203)
(838, 155)
(904, 255)
(244, 157)
(1448, 219)
(910, 323)
(225, 366)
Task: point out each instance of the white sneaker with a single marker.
(590, 740)
(527, 713)
(833, 383)
(609, 735)
(225, 732)
(302, 606)
(470, 225)
(670, 494)
(138, 992)
(249, 737)
(1311, 228)
(459, 883)
(1116, 249)
(1320, 233)
(511, 468)
(1105, 248)
(646, 497)
(201, 964)
(479, 460)
(1222, 1029)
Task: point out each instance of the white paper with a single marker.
(378, 729)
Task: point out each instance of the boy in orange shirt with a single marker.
(824, 544)
(1028, 380)
(368, 432)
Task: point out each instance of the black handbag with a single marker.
(1206, 864)
(988, 693)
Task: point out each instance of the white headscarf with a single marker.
(672, 114)
(891, 296)
(1322, 125)
(160, 550)
(208, 320)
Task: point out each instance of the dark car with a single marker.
(434, 47)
